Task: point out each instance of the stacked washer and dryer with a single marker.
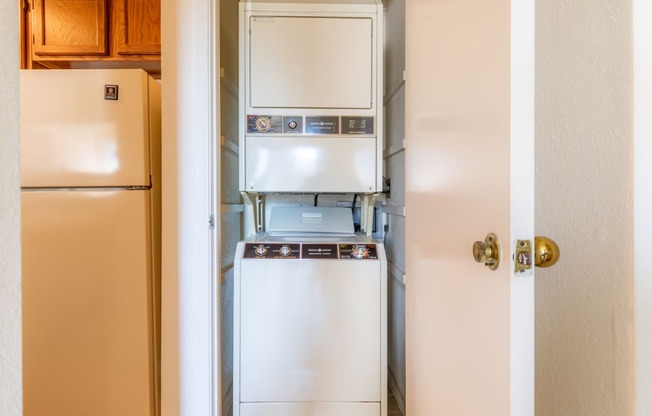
(310, 292)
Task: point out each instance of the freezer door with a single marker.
(88, 342)
(74, 136)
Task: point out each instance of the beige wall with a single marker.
(584, 329)
(10, 317)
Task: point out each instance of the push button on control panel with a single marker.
(293, 124)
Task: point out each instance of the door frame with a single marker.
(190, 368)
(188, 57)
(642, 192)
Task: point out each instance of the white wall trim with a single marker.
(190, 334)
(522, 204)
(11, 387)
(642, 15)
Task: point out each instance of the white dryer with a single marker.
(310, 318)
(311, 96)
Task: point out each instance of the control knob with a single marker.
(285, 251)
(360, 252)
(292, 124)
(261, 250)
(263, 124)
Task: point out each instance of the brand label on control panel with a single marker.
(319, 251)
(322, 125)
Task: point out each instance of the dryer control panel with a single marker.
(326, 125)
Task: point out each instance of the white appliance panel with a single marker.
(72, 137)
(310, 164)
(316, 221)
(312, 409)
(310, 330)
(87, 303)
(310, 62)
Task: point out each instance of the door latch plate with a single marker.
(523, 258)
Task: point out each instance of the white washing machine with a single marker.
(310, 318)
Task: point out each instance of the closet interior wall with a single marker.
(394, 208)
(231, 208)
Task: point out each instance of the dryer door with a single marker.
(334, 56)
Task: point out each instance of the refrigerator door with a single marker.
(87, 304)
(73, 136)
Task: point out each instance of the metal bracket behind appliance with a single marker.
(254, 212)
(367, 203)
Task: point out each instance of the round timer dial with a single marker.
(263, 124)
(360, 252)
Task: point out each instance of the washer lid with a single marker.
(304, 221)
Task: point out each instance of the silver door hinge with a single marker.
(211, 221)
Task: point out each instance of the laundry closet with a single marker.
(312, 184)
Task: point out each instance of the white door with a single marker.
(469, 171)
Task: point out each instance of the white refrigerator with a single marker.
(90, 177)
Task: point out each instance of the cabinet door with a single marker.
(67, 27)
(138, 27)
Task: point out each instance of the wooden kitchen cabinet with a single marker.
(65, 27)
(137, 27)
(92, 33)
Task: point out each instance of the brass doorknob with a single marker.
(487, 251)
(546, 252)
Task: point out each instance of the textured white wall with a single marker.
(10, 316)
(584, 327)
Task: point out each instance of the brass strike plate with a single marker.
(523, 258)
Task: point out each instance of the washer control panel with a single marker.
(310, 125)
(310, 251)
